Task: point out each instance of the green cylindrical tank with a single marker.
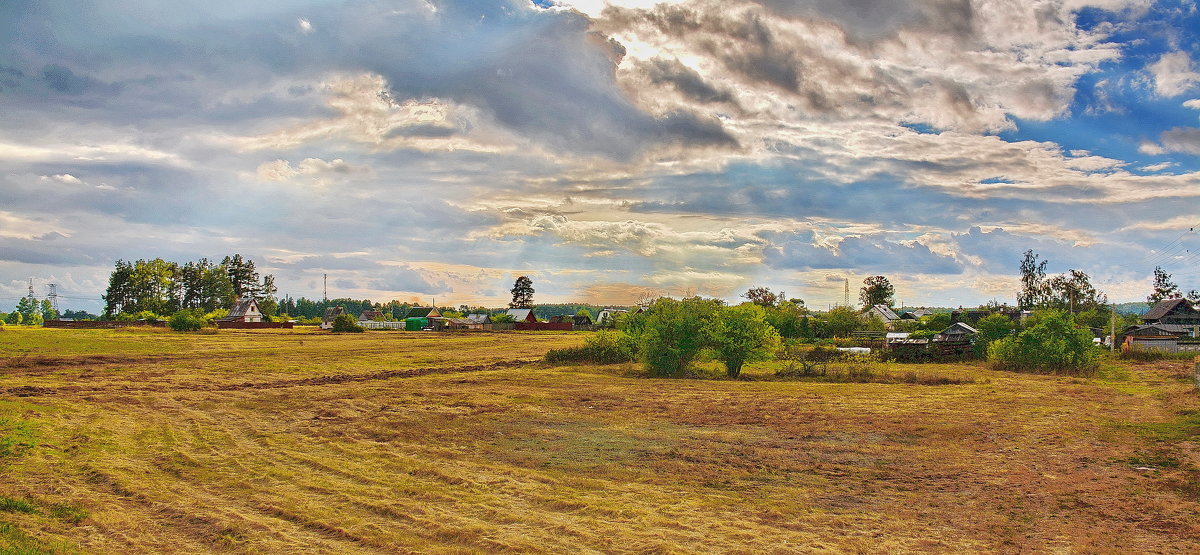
(415, 324)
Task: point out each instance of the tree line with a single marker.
(163, 287)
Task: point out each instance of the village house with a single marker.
(885, 313)
(958, 332)
(331, 313)
(369, 315)
(608, 316)
(522, 315)
(1172, 311)
(244, 310)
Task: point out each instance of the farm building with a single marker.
(522, 315)
(462, 324)
(244, 310)
(1173, 311)
(956, 333)
(481, 319)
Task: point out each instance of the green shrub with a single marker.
(1053, 345)
(186, 320)
(346, 323)
(740, 334)
(604, 347)
(674, 334)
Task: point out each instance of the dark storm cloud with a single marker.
(545, 75)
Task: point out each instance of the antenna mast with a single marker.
(325, 294)
(846, 293)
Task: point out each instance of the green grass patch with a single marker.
(68, 513)
(1185, 427)
(14, 541)
(16, 437)
(11, 505)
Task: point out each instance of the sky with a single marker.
(432, 150)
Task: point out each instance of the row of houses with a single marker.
(431, 319)
(1172, 325)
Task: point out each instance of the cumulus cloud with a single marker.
(1174, 74)
(934, 62)
(63, 178)
(1181, 139)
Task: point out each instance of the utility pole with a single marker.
(1112, 328)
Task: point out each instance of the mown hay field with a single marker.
(295, 441)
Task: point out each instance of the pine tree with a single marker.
(522, 293)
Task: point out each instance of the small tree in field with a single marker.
(673, 334)
(740, 334)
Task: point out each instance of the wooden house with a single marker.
(608, 316)
(330, 314)
(1173, 311)
(956, 333)
(522, 315)
(885, 313)
(423, 312)
(369, 315)
(244, 310)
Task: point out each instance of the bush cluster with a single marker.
(187, 320)
(346, 323)
(604, 347)
(1053, 345)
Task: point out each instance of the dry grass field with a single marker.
(120, 441)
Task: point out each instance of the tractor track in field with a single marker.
(42, 391)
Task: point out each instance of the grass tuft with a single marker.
(11, 505)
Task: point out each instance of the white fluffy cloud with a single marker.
(1174, 74)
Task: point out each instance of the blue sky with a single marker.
(612, 151)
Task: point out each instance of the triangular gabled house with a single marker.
(1172, 311)
(423, 312)
(959, 331)
(522, 315)
(244, 310)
